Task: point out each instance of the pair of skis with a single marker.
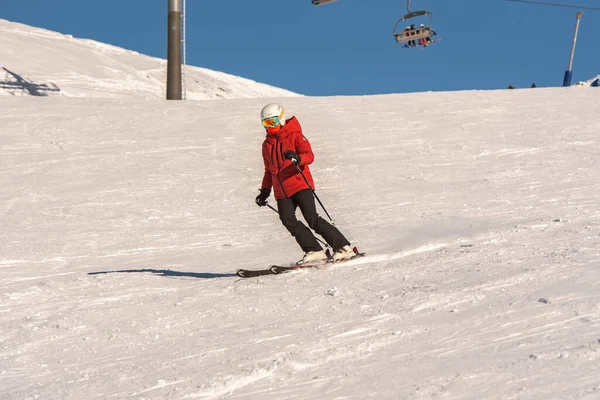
(280, 269)
(421, 45)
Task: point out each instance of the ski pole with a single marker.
(272, 208)
(313, 192)
(319, 240)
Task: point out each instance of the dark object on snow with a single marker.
(543, 300)
(510, 87)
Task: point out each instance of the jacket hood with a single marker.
(291, 125)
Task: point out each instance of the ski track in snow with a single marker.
(120, 234)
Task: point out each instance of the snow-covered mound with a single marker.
(120, 233)
(588, 82)
(39, 62)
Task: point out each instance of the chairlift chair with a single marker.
(402, 35)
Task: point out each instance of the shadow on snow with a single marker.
(168, 273)
(15, 82)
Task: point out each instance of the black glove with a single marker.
(290, 155)
(261, 199)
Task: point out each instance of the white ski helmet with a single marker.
(273, 110)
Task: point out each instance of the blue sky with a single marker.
(344, 48)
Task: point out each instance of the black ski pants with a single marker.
(306, 202)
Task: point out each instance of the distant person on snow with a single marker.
(285, 151)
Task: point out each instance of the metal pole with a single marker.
(184, 50)
(569, 72)
(174, 51)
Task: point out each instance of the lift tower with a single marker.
(174, 51)
(569, 72)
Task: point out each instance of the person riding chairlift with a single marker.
(413, 28)
(423, 41)
(428, 38)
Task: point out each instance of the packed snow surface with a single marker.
(123, 221)
(39, 62)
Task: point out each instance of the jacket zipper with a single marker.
(279, 168)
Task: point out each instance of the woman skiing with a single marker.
(286, 151)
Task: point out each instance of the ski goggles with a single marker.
(271, 122)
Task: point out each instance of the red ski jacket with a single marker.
(280, 173)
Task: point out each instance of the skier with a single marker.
(286, 151)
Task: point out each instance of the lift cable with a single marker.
(554, 4)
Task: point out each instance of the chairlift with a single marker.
(411, 35)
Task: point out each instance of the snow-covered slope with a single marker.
(122, 223)
(587, 83)
(44, 63)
